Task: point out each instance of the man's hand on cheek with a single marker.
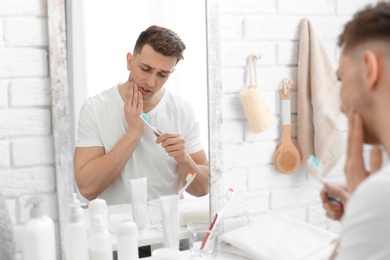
(354, 168)
(133, 108)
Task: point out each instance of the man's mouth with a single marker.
(144, 91)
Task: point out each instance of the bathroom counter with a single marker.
(185, 255)
(148, 236)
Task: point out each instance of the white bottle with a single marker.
(97, 206)
(99, 240)
(38, 233)
(76, 240)
(76, 201)
(127, 241)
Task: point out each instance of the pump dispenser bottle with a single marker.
(99, 240)
(76, 240)
(38, 233)
(127, 237)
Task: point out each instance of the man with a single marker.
(364, 70)
(113, 143)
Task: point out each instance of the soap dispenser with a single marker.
(38, 233)
(99, 240)
(76, 240)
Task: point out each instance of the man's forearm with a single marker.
(200, 185)
(99, 173)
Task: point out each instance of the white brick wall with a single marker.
(34, 28)
(26, 145)
(272, 29)
(247, 27)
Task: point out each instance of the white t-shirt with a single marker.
(102, 123)
(365, 229)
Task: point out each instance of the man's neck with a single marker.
(152, 102)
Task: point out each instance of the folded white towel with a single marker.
(279, 238)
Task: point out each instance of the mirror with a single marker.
(98, 48)
(63, 103)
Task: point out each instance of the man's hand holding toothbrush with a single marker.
(333, 209)
(175, 146)
(355, 171)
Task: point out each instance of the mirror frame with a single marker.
(61, 117)
(60, 110)
(214, 104)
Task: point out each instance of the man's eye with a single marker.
(163, 75)
(145, 69)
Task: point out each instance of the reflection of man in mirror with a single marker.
(364, 70)
(114, 144)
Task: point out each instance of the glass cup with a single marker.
(197, 233)
(154, 211)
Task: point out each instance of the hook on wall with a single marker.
(255, 57)
(287, 82)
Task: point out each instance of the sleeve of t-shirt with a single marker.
(192, 135)
(365, 230)
(88, 132)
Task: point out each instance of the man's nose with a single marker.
(151, 80)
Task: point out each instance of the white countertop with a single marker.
(148, 236)
(185, 255)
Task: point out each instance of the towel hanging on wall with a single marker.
(318, 102)
(254, 105)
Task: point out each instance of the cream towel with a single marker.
(279, 238)
(195, 209)
(318, 102)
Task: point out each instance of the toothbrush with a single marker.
(229, 195)
(157, 132)
(315, 170)
(190, 177)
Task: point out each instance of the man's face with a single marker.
(348, 74)
(354, 94)
(150, 70)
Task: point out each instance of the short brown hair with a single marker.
(371, 23)
(162, 40)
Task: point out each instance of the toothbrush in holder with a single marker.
(145, 118)
(190, 177)
(315, 170)
(217, 217)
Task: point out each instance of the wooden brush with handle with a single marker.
(287, 158)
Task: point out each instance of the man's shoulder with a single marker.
(176, 98)
(374, 191)
(104, 97)
(378, 180)
(177, 103)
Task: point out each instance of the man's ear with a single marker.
(371, 64)
(129, 59)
